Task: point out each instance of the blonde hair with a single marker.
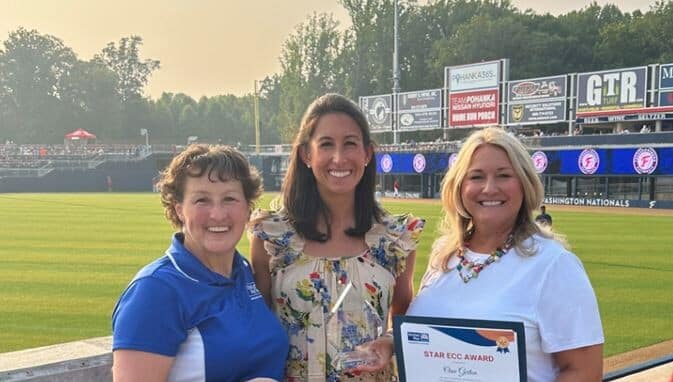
(457, 221)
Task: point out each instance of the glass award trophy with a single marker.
(352, 321)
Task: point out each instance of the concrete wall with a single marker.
(126, 177)
(80, 361)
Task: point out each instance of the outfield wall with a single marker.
(125, 176)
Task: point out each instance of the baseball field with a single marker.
(65, 258)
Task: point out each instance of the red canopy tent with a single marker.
(79, 134)
(79, 137)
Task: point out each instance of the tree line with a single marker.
(46, 91)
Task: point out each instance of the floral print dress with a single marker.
(304, 289)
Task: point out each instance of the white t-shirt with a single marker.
(549, 293)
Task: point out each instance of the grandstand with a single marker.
(620, 170)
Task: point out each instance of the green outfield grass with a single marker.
(65, 258)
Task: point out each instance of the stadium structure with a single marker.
(601, 138)
(608, 170)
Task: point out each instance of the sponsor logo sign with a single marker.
(588, 161)
(666, 98)
(540, 161)
(666, 76)
(537, 88)
(474, 76)
(588, 202)
(452, 159)
(378, 111)
(419, 163)
(420, 109)
(625, 117)
(386, 163)
(474, 108)
(611, 90)
(536, 112)
(536, 100)
(645, 160)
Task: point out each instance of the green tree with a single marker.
(33, 68)
(125, 61)
(89, 93)
(372, 51)
(308, 61)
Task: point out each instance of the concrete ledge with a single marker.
(80, 361)
(91, 361)
(662, 373)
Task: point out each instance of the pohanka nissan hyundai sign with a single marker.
(611, 90)
(473, 94)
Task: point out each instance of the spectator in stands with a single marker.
(195, 313)
(328, 232)
(525, 273)
(543, 218)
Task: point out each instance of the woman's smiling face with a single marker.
(491, 191)
(213, 215)
(336, 154)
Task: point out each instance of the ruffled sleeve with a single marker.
(281, 241)
(392, 240)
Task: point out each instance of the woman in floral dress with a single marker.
(329, 236)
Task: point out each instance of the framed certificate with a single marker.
(430, 349)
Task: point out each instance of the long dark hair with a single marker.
(301, 199)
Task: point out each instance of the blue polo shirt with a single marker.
(217, 328)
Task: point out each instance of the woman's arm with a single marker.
(140, 366)
(260, 268)
(404, 288)
(580, 365)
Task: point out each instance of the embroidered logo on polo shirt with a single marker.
(253, 292)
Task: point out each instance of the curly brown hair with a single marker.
(219, 162)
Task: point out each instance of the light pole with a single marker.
(396, 75)
(257, 132)
(146, 133)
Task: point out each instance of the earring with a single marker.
(308, 165)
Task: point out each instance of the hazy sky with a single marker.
(206, 47)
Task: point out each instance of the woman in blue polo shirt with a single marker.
(195, 313)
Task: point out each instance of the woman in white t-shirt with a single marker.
(526, 274)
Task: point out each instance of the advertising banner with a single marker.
(419, 110)
(635, 117)
(534, 89)
(611, 90)
(666, 76)
(474, 76)
(536, 113)
(378, 110)
(666, 98)
(474, 108)
(412, 163)
(618, 161)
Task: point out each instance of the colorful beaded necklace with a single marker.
(468, 269)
